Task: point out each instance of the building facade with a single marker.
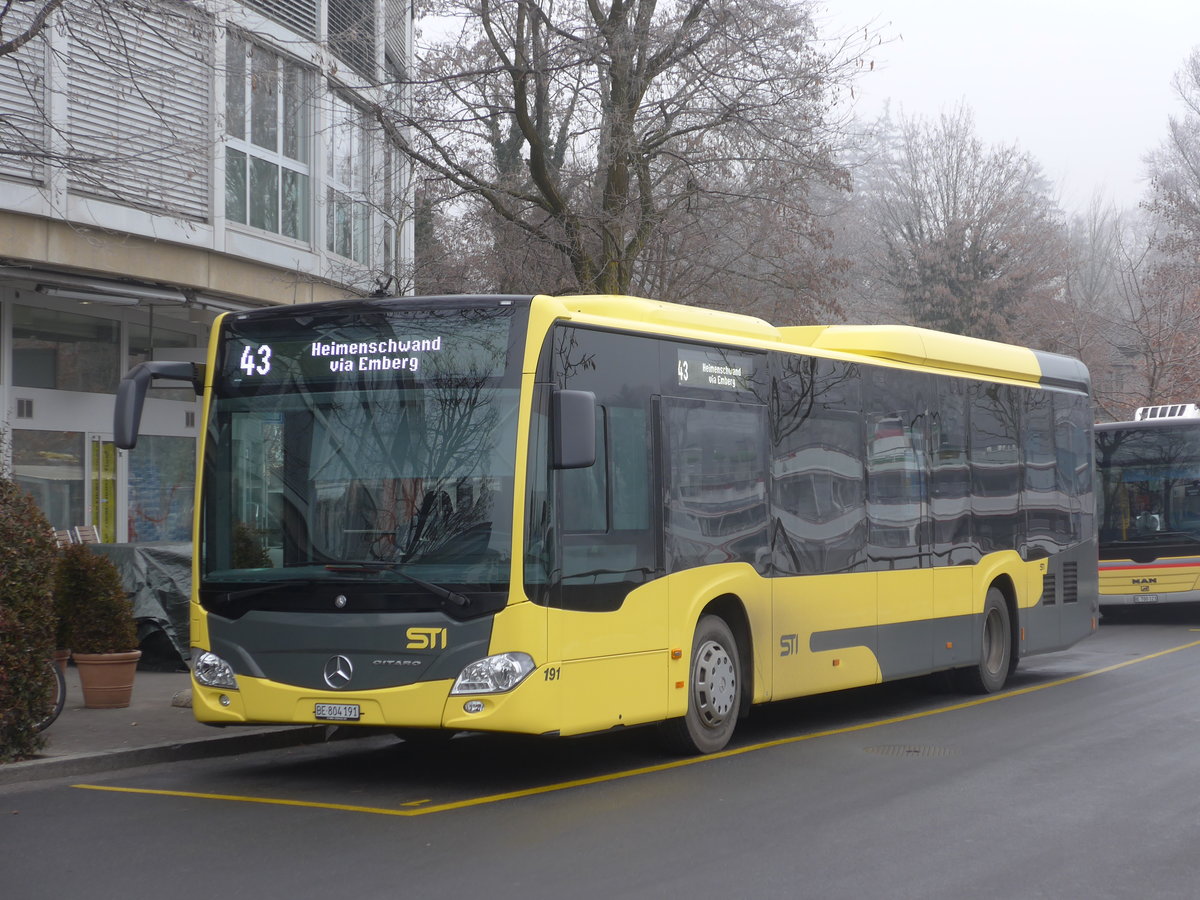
(162, 162)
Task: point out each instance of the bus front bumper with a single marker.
(526, 709)
(1148, 598)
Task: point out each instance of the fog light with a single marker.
(473, 706)
(224, 700)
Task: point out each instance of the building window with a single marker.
(64, 351)
(149, 342)
(348, 214)
(137, 85)
(298, 15)
(48, 465)
(352, 33)
(268, 135)
(161, 472)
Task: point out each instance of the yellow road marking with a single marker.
(644, 770)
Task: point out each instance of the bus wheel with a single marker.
(714, 691)
(995, 656)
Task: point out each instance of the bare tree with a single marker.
(967, 234)
(1174, 169)
(641, 143)
(16, 32)
(1162, 292)
(1160, 321)
(1084, 317)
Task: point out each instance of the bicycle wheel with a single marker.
(60, 698)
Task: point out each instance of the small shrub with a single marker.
(27, 621)
(92, 599)
(248, 549)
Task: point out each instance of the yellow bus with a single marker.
(563, 515)
(1149, 508)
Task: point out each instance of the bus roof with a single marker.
(1150, 424)
(1167, 411)
(903, 344)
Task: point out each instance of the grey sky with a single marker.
(1083, 86)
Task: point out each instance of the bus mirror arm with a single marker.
(574, 424)
(131, 395)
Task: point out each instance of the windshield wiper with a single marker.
(232, 596)
(442, 593)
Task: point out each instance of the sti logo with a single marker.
(789, 644)
(426, 638)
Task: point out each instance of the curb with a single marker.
(113, 760)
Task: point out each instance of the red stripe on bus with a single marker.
(1139, 566)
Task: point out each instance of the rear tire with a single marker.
(995, 649)
(714, 688)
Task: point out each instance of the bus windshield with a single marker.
(1150, 485)
(374, 447)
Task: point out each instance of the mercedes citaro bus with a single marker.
(562, 515)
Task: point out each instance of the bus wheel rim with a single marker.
(715, 684)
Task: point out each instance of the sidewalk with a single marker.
(156, 727)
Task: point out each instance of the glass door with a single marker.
(102, 487)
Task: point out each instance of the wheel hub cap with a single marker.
(715, 684)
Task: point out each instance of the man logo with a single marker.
(338, 672)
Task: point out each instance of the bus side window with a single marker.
(716, 483)
(817, 474)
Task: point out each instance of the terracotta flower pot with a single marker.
(107, 678)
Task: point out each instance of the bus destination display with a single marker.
(342, 356)
(421, 346)
(715, 369)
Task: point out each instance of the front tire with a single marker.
(59, 699)
(714, 688)
(995, 651)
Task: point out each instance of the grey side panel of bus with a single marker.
(293, 648)
(904, 649)
(1062, 616)
(1068, 606)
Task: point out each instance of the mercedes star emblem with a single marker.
(338, 672)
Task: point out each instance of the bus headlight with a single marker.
(494, 675)
(212, 671)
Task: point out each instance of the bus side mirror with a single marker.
(574, 416)
(131, 395)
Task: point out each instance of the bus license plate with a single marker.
(1145, 598)
(337, 712)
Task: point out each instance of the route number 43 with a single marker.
(256, 361)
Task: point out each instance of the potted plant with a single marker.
(100, 625)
